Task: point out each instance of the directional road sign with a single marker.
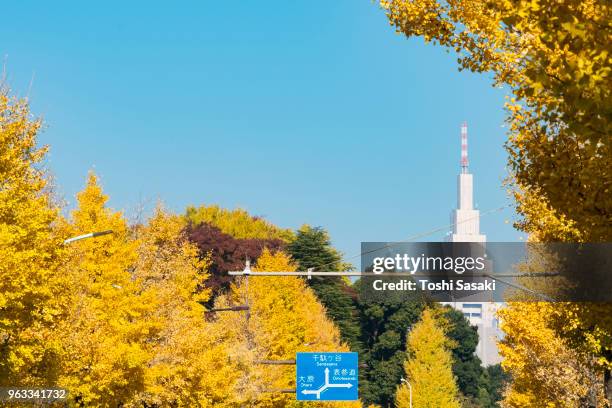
(326, 376)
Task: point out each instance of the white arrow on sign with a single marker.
(326, 386)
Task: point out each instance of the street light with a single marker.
(409, 388)
(90, 235)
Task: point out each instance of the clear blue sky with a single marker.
(303, 112)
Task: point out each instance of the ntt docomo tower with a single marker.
(466, 228)
(465, 219)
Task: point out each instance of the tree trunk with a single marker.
(608, 386)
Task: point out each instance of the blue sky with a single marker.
(303, 112)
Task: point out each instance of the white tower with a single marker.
(465, 219)
(466, 228)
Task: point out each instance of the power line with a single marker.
(423, 234)
(382, 274)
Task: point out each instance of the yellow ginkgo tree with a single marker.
(546, 371)
(186, 366)
(31, 289)
(105, 351)
(428, 368)
(284, 317)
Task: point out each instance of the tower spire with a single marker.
(465, 219)
(464, 148)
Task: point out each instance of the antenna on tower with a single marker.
(464, 148)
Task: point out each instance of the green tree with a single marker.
(466, 365)
(312, 248)
(481, 387)
(384, 324)
(493, 385)
(428, 367)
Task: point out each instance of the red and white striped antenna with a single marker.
(464, 148)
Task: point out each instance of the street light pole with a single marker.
(84, 236)
(409, 389)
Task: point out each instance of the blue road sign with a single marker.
(326, 376)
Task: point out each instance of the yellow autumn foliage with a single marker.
(555, 58)
(137, 334)
(118, 319)
(238, 223)
(30, 253)
(185, 367)
(428, 368)
(285, 317)
(546, 372)
(554, 352)
(105, 351)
